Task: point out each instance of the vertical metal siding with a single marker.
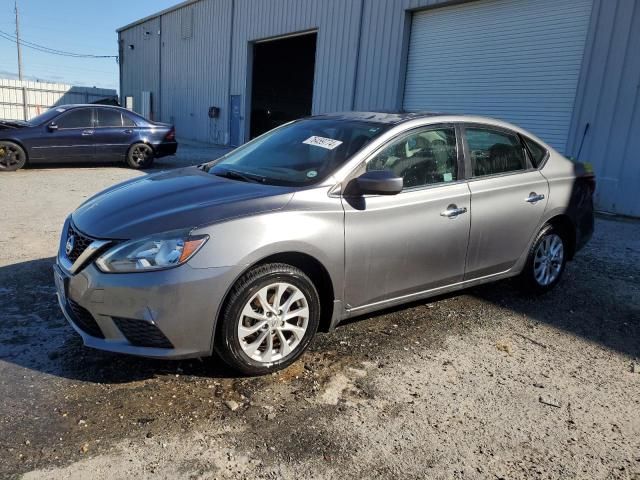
(609, 101)
(382, 54)
(337, 23)
(195, 70)
(361, 52)
(516, 60)
(140, 65)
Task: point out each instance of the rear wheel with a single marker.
(140, 156)
(12, 156)
(271, 315)
(546, 262)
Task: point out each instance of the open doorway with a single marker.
(282, 81)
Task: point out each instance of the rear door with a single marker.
(112, 136)
(72, 140)
(400, 245)
(508, 198)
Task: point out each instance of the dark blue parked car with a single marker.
(85, 133)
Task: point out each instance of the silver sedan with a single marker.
(319, 220)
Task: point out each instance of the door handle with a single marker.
(453, 211)
(128, 131)
(86, 133)
(534, 197)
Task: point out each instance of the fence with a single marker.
(22, 100)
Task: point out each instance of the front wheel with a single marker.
(12, 156)
(140, 156)
(546, 262)
(269, 319)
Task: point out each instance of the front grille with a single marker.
(80, 244)
(142, 334)
(83, 319)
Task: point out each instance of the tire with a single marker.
(260, 348)
(546, 261)
(140, 156)
(12, 156)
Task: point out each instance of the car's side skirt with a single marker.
(412, 297)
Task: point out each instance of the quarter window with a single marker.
(126, 121)
(80, 118)
(494, 152)
(537, 151)
(109, 118)
(424, 157)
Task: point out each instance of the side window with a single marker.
(493, 152)
(108, 118)
(126, 121)
(424, 157)
(537, 151)
(80, 118)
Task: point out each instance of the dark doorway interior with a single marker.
(282, 81)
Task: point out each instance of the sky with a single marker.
(79, 26)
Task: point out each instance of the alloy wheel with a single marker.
(141, 154)
(10, 156)
(273, 322)
(548, 259)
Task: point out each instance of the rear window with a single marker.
(127, 121)
(494, 152)
(108, 118)
(537, 151)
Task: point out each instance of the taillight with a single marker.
(171, 135)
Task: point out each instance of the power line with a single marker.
(52, 51)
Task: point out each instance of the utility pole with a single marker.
(18, 42)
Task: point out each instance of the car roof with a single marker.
(394, 118)
(389, 118)
(71, 106)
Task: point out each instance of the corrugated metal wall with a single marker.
(20, 97)
(361, 63)
(140, 66)
(481, 59)
(337, 22)
(608, 100)
(195, 69)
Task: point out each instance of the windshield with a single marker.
(45, 117)
(301, 153)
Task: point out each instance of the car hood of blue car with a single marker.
(172, 200)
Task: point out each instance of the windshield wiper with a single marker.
(240, 176)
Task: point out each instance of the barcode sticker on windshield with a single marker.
(328, 143)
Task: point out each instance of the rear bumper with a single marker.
(164, 314)
(165, 148)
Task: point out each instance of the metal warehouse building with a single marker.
(568, 70)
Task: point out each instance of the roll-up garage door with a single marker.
(516, 60)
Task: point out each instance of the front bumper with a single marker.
(162, 314)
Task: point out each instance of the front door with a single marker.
(508, 198)
(71, 141)
(396, 246)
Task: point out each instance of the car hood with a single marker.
(6, 124)
(176, 199)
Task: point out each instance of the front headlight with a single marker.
(156, 252)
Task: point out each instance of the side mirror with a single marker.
(375, 182)
(52, 127)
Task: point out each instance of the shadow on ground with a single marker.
(598, 299)
(34, 334)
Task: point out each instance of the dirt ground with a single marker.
(488, 383)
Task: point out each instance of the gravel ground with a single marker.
(483, 384)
